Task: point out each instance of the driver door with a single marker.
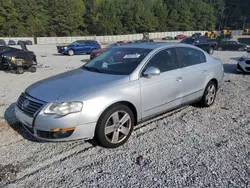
(162, 92)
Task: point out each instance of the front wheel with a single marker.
(115, 126)
(209, 95)
(71, 52)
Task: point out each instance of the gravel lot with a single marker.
(192, 147)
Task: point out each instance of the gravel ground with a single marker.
(191, 147)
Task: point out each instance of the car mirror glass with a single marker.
(151, 71)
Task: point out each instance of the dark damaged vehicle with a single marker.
(17, 60)
(79, 47)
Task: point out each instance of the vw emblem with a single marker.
(25, 104)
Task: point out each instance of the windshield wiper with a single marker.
(92, 69)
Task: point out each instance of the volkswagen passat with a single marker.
(107, 97)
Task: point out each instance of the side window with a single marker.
(165, 60)
(190, 56)
(82, 42)
(202, 57)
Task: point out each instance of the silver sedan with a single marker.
(107, 97)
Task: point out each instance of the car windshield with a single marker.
(120, 61)
(188, 41)
(73, 43)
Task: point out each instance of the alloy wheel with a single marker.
(210, 95)
(118, 127)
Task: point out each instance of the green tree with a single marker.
(8, 18)
(66, 17)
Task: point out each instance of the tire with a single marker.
(220, 49)
(115, 135)
(71, 52)
(33, 69)
(241, 49)
(209, 95)
(20, 70)
(210, 51)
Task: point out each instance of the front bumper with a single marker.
(40, 126)
(243, 67)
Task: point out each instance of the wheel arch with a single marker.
(126, 103)
(215, 81)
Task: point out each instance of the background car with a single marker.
(28, 42)
(167, 38)
(181, 36)
(201, 42)
(108, 96)
(2, 42)
(232, 45)
(11, 42)
(18, 60)
(243, 65)
(79, 47)
(97, 52)
(143, 41)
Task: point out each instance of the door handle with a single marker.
(205, 72)
(179, 79)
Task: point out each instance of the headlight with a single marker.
(12, 59)
(65, 47)
(63, 109)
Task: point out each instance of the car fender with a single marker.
(96, 103)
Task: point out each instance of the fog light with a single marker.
(62, 134)
(63, 129)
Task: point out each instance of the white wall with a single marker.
(17, 38)
(110, 39)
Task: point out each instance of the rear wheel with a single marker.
(20, 70)
(241, 49)
(209, 95)
(210, 51)
(33, 69)
(220, 49)
(115, 126)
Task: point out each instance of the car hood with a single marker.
(73, 85)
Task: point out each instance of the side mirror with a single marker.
(151, 71)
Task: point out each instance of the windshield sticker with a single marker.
(131, 56)
(105, 65)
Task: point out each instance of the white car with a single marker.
(243, 64)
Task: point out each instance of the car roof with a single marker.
(153, 45)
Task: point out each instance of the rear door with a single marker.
(193, 73)
(162, 92)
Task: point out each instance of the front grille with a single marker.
(247, 62)
(28, 105)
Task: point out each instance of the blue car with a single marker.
(79, 47)
(11, 42)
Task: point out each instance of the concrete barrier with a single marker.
(114, 38)
(6, 39)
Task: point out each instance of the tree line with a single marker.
(112, 17)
